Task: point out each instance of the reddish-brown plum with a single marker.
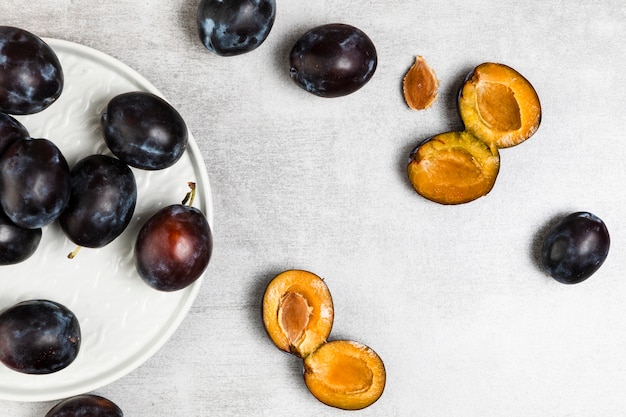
(173, 247)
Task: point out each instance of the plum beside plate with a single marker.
(123, 321)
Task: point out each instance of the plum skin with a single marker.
(575, 247)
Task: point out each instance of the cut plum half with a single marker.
(453, 168)
(498, 105)
(345, 374)
(298, 311)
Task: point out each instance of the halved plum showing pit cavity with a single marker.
(345, 374)
(499, 106)
(298, 311)
(453, 168)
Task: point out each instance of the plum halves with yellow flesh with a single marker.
(499, 106)
(298, 314)
(499, 109)
(453, 168)
(345, 374)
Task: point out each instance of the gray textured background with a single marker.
(450, 297)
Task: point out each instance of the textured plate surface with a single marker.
(123, 321)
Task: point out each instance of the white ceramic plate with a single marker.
(123, 321)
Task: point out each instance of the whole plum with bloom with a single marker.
(576, 247)
(38, 337)
(35, 182)
(234, 27)
(102, 201)
(333, 60)
(85, 405)
(144, 131)
(32, 77)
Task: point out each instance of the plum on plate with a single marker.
(102, 201)
(35, 182)
(32, 76)
(144, 131)
(38, 337)
(174, 246)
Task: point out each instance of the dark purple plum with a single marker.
(35, 182)
(575, 247)
(173, 247)
(144, 131)
(234, 27)
(102, 201)
(333, 60)
(38, 337)
(85, 405)
(32, 76)
(16, 243)
(10, 131)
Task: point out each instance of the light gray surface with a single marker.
(450, 297)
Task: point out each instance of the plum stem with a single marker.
(72, 254)
(191, 195)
